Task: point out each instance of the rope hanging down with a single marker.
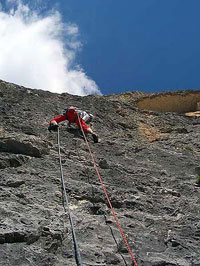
(112, 233)
(65, 200)
(106, 194)
(106, 222)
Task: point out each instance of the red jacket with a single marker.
(72, 117)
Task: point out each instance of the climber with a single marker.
(74, 115)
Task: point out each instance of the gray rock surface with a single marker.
(147, 161)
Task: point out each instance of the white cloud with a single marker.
(40, 52)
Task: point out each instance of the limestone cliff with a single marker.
(147, 157)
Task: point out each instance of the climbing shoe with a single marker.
(95, 138)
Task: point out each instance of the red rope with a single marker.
(109, 202)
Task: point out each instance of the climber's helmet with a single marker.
(71, 109)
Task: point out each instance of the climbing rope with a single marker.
(106, 222)
(106, 194)
(112, 233)
(65, 200)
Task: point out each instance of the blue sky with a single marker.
(145, 45)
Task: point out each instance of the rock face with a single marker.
(147, 160)
(182, 102)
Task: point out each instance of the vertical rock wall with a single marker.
(171, 102)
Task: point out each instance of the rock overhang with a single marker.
(179, 101)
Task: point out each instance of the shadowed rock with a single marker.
(19, 144)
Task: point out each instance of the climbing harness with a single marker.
(104, 189)
(66, 205)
